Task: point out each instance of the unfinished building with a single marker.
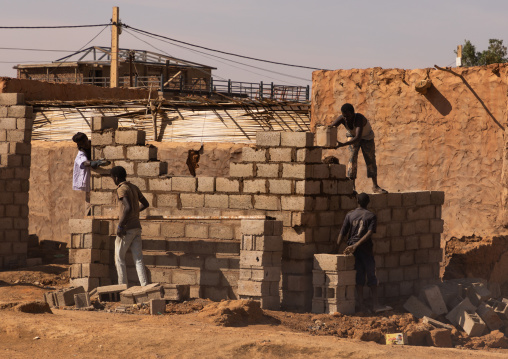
(281, 174)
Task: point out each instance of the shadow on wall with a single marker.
(440, 103)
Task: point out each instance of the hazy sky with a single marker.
(331, 34)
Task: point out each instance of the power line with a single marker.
(52, 27)
(23, 49)
(237, 62)
(219, 51)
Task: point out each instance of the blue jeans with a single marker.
(131, 239)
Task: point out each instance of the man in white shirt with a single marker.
(82, 165)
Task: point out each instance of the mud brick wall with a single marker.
(16, 122)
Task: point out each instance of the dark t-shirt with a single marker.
(357, 223)
(131, 191)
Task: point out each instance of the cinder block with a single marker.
(297, 139)
(173, 230)
(320, 170)
(254, 186)
(12, 99)
(183, 184)
(167, 200)
(242, 170)
(142, 153)
(20, 111)
(206, 184)
(414, 306)
(157, 306)
(104, 138)
(279, 186)
(130, 137)
(318, 306)
(19, 135)
(472, 324)
(326, 136)
(436, 226)
(346, 307)
(82, 300)
(159, 184)
(489, 316)
(308, 187)
(297, 203)
(113, 152)
(337, 171)
(196, 230)
(250, 154)
(271, 202)
(309, 155)
(422, 198)
(437, 197)
(435, 300)
(100, 123)
(251, 288)
(87, 283)
(268, 139)
(456, 315)
(240, 202)
(101, 198)
(281, 154)
(192, 200)
(8, 124)
(221, 231)
(333, 262)
(258, 227)
(270, 170)
(260, 259)
(227, 185)
(296, 170)
(216, 201)
(84, 256)
(84, 226)
(152, 169)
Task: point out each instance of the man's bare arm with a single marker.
(144, 203)
(352, 248)
(123, 216)
(358, 137)
(338, 121)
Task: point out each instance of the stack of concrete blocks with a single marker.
(260, 262)
(333, 279)
(90, 252)
(16, 122)
(291, 183)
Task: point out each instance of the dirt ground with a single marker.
(200, 328)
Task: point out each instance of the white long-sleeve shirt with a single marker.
(81, 175)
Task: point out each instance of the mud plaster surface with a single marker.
(444, 140)
(52, 201)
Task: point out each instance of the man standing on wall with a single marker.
(360, 136)
(128, 233)
(82, 165)
(358, 227)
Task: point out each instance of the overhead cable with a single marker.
(52, 27)
(219, 51)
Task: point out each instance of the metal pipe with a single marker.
(187, 218)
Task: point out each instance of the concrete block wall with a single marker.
(283, 177)
(260, 262)
(16, 121)
(334, 280)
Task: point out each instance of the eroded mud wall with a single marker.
(450, 139)
(52, 201)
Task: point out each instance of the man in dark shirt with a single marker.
(360, 136)
(358, 227)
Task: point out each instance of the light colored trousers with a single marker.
(133, 240)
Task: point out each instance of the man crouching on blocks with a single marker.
(128, 233)
(359, 225)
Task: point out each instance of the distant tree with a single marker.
(496, 53)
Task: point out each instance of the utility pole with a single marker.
(458, 60)
(115, 33)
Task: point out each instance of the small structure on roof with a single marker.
(137, 68)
